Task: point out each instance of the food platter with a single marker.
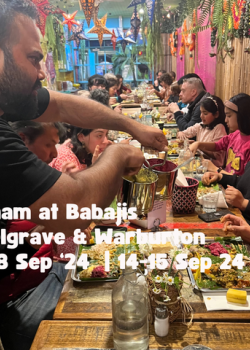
(96, 258)
(215, 279)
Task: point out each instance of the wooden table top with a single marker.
(92, 301)
(81, 335)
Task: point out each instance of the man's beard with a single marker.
(16, 89)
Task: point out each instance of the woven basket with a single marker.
(174, 306)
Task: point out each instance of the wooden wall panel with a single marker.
(233, 75)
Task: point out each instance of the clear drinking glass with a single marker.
(210, 202)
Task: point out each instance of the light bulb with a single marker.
(141, 11)
(168, 15)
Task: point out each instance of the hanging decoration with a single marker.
(124, 41)
(151, 9)
(88, 7)
(78, 34)
(113, 39)
(95, 11)
(70, 19)
(135, 24)
(44, 9)
(173, 43)
(237, 11)
(136, 2)
(100, 29)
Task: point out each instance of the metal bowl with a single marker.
(139, 195)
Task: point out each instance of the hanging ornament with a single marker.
(88, 7)
(135, 24)
(70, 19)
(123, 40)
(113, 39)
(136, 2)
(151, 9)
(44, 9)
(237, 12)
(78, 34)
(95, 11)
(100, 28)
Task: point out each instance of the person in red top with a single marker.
(121, 88)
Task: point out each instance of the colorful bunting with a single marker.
(123, 40)
(70, 19)
(113, 39)
(78, 34)
(88, 7)
(100, 28)
(135, 24)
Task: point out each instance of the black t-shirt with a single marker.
(24, 178)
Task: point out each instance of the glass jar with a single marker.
(130, 312)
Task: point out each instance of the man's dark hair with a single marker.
(97, 80)
(32, 130)
(166, 78)
(101, 96)
(243, 115)
(8, 10)
(188, 76)
(118, 76)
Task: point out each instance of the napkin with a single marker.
(218, 301)
(181, 180)
(221, 201)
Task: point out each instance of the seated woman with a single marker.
(122, 90)
(166, 82)
(84, 143)
(237, 143)
(174, 93)
(237, 192)
(97, 82)
(211, 129)
(112, 87)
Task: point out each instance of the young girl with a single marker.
(211, 129)
(237, 143)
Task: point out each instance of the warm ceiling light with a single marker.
(168, 15)
(141, 11)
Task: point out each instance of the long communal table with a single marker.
(83, 316)
(82, 335)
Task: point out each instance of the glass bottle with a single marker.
(184, 155)
(130, 312)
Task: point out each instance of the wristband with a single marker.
(219, 170)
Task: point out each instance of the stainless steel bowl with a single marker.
(139, 195)
(167, 176)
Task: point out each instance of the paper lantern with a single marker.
(78, 34)
(70, 19)
(88, 7)
(135, 23)
(123, 40)
(100, 29)
(113, 39)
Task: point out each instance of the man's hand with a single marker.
(235, 198)
(151, 137)
(237, 226)
(209, 178)
(133, 157)
(173, 107)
